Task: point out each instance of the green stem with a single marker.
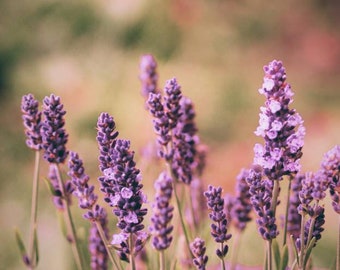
(302, 242)
(34, 207)
(234, 254)
(286, 214)
(70, 224)
(222, 259)
(132, 257)
(103, 237)
(276, 190)
(161, 260)
(269, 256)
(338, 249)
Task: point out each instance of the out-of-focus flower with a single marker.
(148, 75)
(162, 213)
(54, 136)
(330, 170)
(32, 121)
(294, 218)
(260, 190)
(281, 127)
(198, 250)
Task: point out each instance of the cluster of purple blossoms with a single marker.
(294, 218)
(198, 249)
(32, 121)
(148, 75)
(219, 231)
(281, 127)
(162, 213)
(313, 190)
(330, 170)
(173, 121)
(260, 190)
(238, 207)
(54, 136)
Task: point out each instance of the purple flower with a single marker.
(215, 204)
(32, 121)
(162, 213)
(294, 218)
(148, 75)
(172, 98)
(260, 191)
(281, 127)
(106, 137)
(240, 205)
(330, 170)
(198, 250)
(54, 136)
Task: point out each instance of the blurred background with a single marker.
(88, 53)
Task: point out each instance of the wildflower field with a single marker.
(214, 147)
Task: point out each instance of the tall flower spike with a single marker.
(198, 250)
(32, 121)
(106, 137)
(241, 204)
(162, 213)
(218, 228)
(54, 136)
(330, 169)
(260, 191)
(281, 127)
(148, 75)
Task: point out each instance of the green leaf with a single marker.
(62, 224)
(51, 188)
(276, 252)
(36, 247)
(296, 253)
(20, 243)
(284, 258)
(309, 250)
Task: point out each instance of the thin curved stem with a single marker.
(234, 254)
(132, 257)
(34, 208)
(70, 224)
(103, 237)
(161, 260)
(269, 255)
(286, 213)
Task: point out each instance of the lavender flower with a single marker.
(54, 136)
(215, 204)
(260, 191)
(240, 205)
(172, 98)
(294, 218)
(281, 127)
(106, 136)
(162, 213)
(32, 121)
(148, 75)
(198, 250)
(330, 170)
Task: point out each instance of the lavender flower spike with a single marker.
(215, 204)
(281, 127)
(260, 191)
(330, 169)
(148, 75)
(32, 121)
(162, 213)
(54, 136)
(198, 250)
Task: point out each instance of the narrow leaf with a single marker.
(309, 250)
(296, 253)
(51, 188)
(62, 225)
(36, 247)
(284, 258)
(276, 252)
(20, 243)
